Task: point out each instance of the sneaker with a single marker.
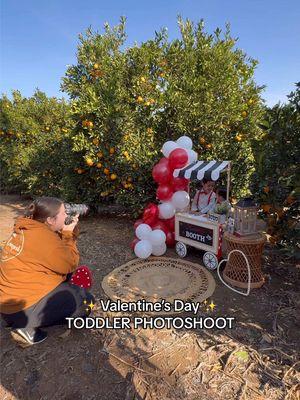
(31, 336)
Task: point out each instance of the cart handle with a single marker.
(249, 274)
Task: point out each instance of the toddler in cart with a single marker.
(205, 198)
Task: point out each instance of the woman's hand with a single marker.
(72, 225)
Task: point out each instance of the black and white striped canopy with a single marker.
(202, 169)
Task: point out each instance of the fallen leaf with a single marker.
(65, 334)
(242, 355)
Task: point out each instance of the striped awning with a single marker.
(202, 169)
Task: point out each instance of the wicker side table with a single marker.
(236, 272)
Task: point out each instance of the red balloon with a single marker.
(137, 223)
(178, 158)
(164, 160)
(150, 215)
(162, 172)
(161, 225)
(180, 184)
(133, 243)
(170, 240)
(151, 221)
(170, 223)
(164, 192)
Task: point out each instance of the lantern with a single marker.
(245, 217)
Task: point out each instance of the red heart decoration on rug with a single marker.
(82, 277)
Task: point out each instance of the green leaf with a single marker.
(242, 355)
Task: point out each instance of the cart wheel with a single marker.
(210, 260)
(181, 249)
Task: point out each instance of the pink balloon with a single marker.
(162, 173)
(164, 192)
(178, 158)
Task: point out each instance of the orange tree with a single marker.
(277, 174)
(35, 144)
(126, 102)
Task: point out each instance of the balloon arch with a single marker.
(154, 232)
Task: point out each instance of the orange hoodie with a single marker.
(34, 261)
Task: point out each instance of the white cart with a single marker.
(196, 230)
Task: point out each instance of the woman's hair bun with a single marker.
(42, 208)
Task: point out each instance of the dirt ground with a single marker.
(257, 359)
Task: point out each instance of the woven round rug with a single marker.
(159, 278)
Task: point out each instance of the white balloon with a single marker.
(180, 200)
(185, 142)
(193, 156)
(168, 147)
(159, 250)
(143, 249)
(157, 237)
(166, 210)
(143, 231)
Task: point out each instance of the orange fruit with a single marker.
(97, 73)
(140, 99)
(266, 208)
(152, 101)
(90, 124)
(111, 150)
(96, 141)
(244, 114)
(129, 179)
(266, 189)
(47, 128)
(238, 138)
(147, 103)
(99, 154)
(89, 162)
(113, 177)
(106, 171)
(202, 140)
(290, 199)
(80, 171)
(208, 146)
(96, 66)
(99, 165)
(279, 212)
(273, 239)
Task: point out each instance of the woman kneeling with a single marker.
(35, 269)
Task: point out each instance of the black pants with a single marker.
(66, 300)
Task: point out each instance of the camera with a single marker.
(73, 209)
